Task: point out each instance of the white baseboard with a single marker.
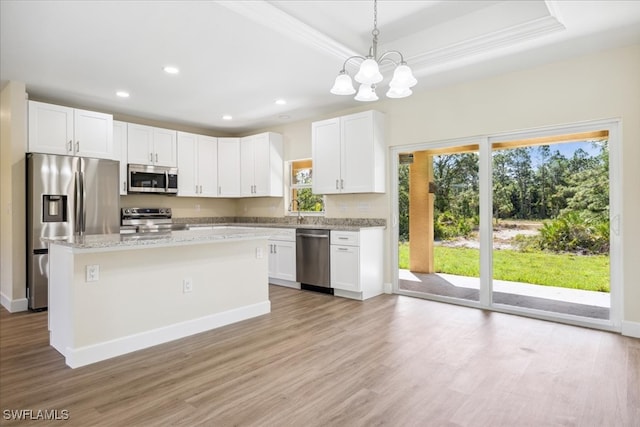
(630, 329)
(388, 288)
(13, 306)
(76, 357)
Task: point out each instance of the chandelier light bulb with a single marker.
(343, 85)
(398, 92)
(403, 77)
(366, 93)
(369, 72)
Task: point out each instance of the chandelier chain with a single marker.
(375, 31)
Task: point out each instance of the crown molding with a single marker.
(270, 16)
(487, 43)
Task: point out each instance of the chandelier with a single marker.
(369, 73)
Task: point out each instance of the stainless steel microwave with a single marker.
(152, 179)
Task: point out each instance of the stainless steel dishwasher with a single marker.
(312, 260)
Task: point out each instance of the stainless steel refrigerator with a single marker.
(66, 196)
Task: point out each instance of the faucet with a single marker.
(298, 209)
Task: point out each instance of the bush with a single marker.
(576, 232)
(448, 226)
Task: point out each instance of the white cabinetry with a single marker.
(349, 154)
(282, 257)
(147, 145)
(197, 165)
(356, 263)
(261, 165)
(228, 167)
(120, 150)
(54, 129)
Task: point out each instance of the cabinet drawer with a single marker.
(350, 238)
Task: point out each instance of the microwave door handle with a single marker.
(166, 181)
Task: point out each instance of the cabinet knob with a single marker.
(70, 146)
(156, 157)
(337, 184)
(151, 157)
(77, 146)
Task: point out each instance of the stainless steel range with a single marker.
(149, 220)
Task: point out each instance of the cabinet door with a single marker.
(187, 164)
(345, 268)
(247, 161)
(139, 144)
(164, 147)
(228, 167)
(120, 152)
(273, 259)
(93, 134)
(285, 260)
(325, 139)
(50, 129)
(357, 153)
(262, 166)
(207, 164)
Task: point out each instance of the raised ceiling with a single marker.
(238, 57)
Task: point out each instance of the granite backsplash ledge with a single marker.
(289, 220)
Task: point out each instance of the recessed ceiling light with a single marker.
(169, 69)
(122, 94)
(284, 116)
(227, 117)
(281, 101)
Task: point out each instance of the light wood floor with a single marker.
(319, 360)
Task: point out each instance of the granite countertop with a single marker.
(195, 226)
(110, 242)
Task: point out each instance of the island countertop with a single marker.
(112, 242)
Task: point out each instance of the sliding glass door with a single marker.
(524, 222)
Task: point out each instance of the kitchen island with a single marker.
(113, 294)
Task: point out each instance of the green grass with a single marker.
(540, 268)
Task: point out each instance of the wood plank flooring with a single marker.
(319, 360)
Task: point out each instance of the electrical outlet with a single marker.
(92, 273)
(259, 253)
(187, 285)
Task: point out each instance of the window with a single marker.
(301, 197)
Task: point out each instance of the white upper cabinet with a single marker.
(147, 145)
(197, 165)
(261, 165)
(54, 129)
(120, 151)
(228, 167)
(349, 154)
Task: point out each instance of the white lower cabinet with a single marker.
(357, 263)
(282, 257)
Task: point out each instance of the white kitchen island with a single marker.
(139, 294)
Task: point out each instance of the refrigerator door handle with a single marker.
(76, 202)
(82, 205)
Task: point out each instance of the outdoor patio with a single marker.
(575, 302)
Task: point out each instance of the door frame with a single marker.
(614, 127)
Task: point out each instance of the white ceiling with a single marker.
(238, 57)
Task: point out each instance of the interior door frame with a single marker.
(614, 127)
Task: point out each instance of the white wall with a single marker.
(596, 86)
(13, 142)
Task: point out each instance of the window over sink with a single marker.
(301, 198)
